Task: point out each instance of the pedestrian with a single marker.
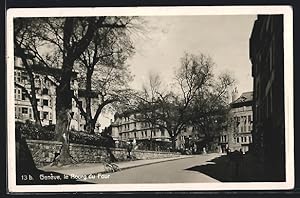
(204, 150)
(129, 149)
(241, 151)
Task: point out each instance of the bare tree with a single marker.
(171, 110)
(210, 109)
(103, 69)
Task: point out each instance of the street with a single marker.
(164, 172)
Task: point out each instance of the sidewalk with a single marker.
(93, 168)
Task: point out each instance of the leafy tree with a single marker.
(60, 43)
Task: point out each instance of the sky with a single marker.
(225, 38)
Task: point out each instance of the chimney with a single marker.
(234, 94)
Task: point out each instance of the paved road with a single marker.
(165, 172)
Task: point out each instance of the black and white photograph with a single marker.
(150, 99)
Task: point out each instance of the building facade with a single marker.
(45, 95)
(45, 85)
(239, 136)
(126, 127)
(266, 55)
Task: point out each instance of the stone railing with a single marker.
(43, 152)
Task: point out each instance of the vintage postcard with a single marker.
(150, 99)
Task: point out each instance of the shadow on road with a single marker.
(226, 170)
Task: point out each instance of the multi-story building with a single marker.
(126, 127)
(45, 85)
(266, 55)
(45, 95)
(239, 135)
(224, 134)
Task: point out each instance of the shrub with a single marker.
(31, 131)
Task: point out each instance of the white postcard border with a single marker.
(156, 11)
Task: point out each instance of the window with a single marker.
(162, 132)
(45, 91)
(134, 135)
(250, 139)
(23, 95)
(19, 94)
(24, 110)
(237, 140)
(18, 74)
(249, 119)
(45, 115)
(30, 113)
(45, 102)
(154, 133)
(37, 81)
(24, 76)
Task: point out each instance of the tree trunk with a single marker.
(63, 117)
(173, 139)
(35, 111)
(90, 126)
(89, 120)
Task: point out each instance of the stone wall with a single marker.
(43, 153)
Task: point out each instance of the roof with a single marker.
(244, 98)
(56, 72)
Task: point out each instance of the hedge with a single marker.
(31, 131)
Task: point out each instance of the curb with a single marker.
(138, 165)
